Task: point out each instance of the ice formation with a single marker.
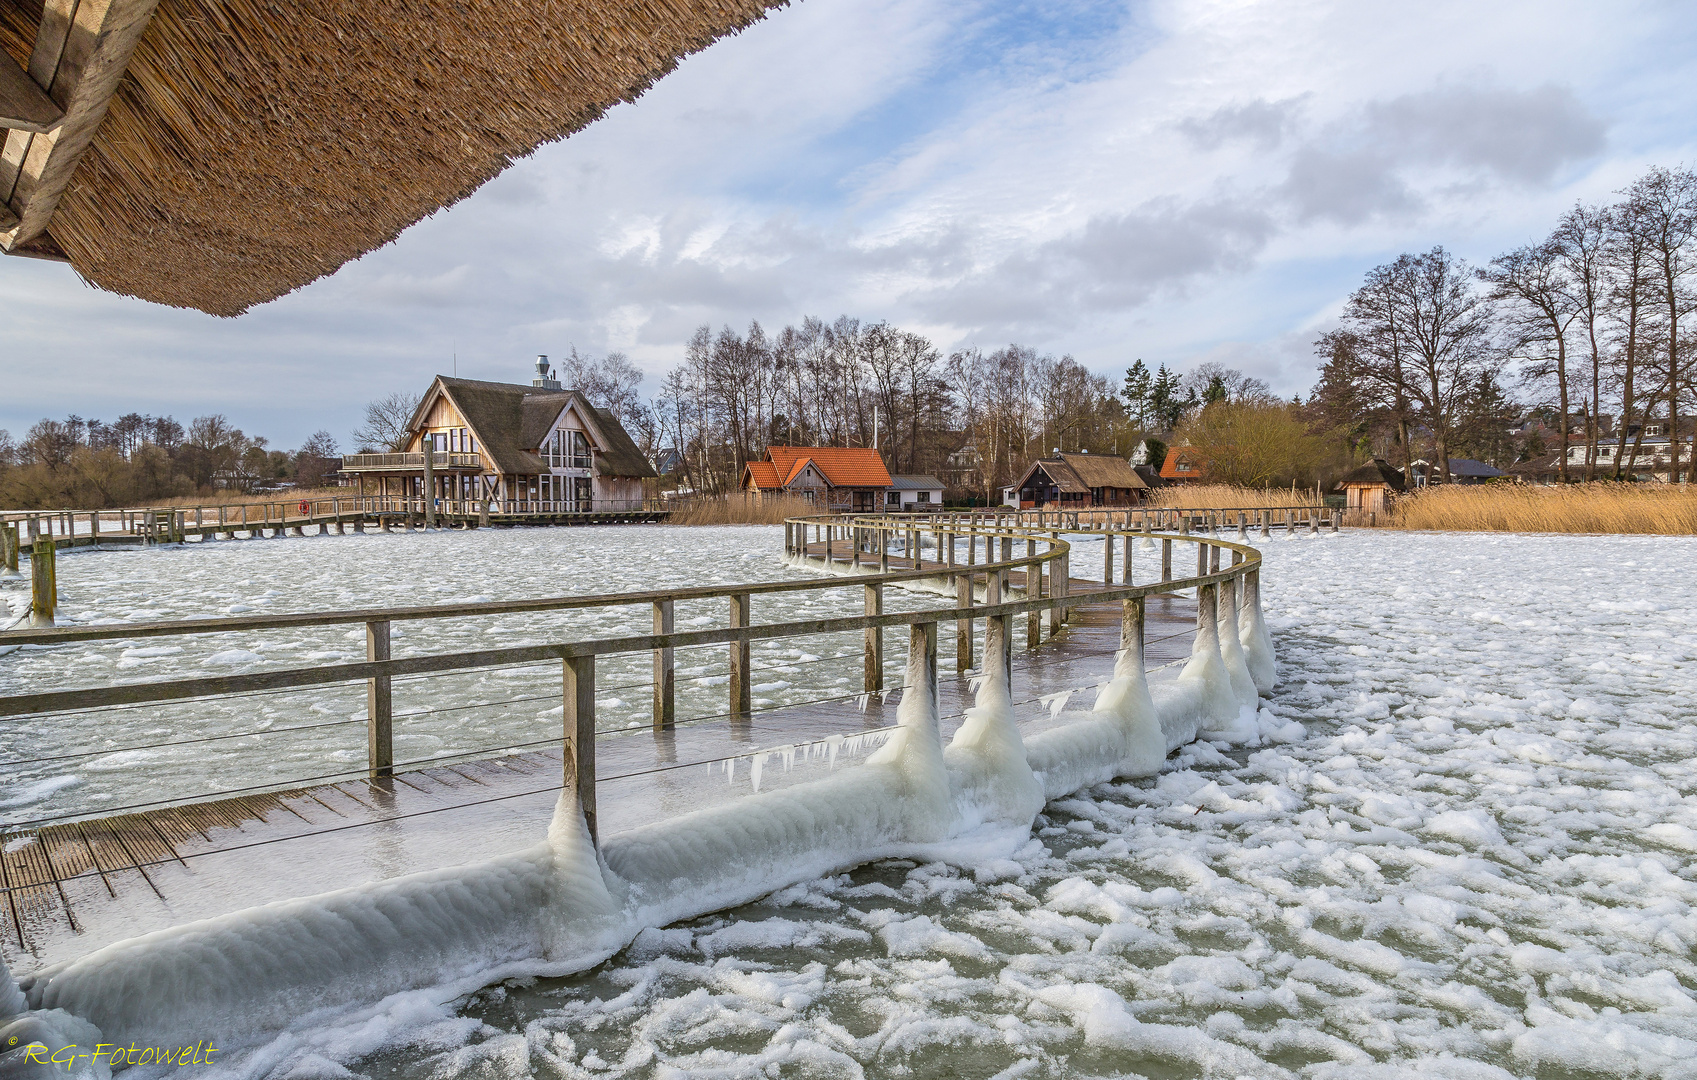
(561, 906)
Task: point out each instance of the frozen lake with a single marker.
(1478, 864)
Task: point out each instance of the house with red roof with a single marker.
(836, 477)
(1185, 465)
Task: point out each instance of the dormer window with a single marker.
(566, 449)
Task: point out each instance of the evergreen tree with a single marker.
(1166, 407)
(1215, 392)
(1136, 392)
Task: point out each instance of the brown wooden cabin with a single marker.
(1076, 481)
(526, 449)
(1368, 489)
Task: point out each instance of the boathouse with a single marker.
(1080, 480)
(540, 448)
(1367, 489)
(849, 478)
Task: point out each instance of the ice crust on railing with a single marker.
(364, 958)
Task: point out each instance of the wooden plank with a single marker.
(99, 38)
(24, 106)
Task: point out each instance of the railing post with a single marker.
(1214, 558)
(1107, 558)
(922, 641)
(998, 629)
(665, 676)
(830, 532)
(379, 705)
(9, 544)
(739, 650)
(1201, 558)
(43, 580)
(577, 692)
(1266, 524)
(1132, 617)
(1057, 582)
(1033, 591)
(1127, 543)
(1242, 526)
(1166, 559)
(884, 538)
(963, 627)
(874, 680)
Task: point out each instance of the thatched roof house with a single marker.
(538, 448)
(216, 154)
(1079, 480)
(1367, 488)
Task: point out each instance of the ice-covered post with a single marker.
(1337, 518)
(874, 675)
(922, 662)
(963, 627)
(998, 629)
(665, 678)
(577, 677)
(43, 581)
(1242, 525)
(379, 704)
(739, 651)
(1131, 630)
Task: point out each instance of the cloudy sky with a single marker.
(1177, 181)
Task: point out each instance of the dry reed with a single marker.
(236, 498)
(1655, 509)
(743, 510)
(1229, 497)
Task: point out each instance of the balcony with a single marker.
(411, 463)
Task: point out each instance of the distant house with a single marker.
(1462, 471)
(1075, 481)
(1651, 462)
(1185, 465)
(1367, 489)
(537, 448)
(919, 492)
(835, 477)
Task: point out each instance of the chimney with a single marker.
(544, 378)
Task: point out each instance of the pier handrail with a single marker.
(577, 657)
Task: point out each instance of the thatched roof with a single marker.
(251, 148)
(511, 421)
(1377, 471)
(1078, 474)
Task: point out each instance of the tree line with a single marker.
(136, 459)
(1590, 322)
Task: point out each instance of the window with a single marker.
(894, 498)
(580, 450)
(923, 496)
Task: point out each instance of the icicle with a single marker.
(833, 743)
(788, 754)
(862, 701)
(1056, 702)
(758, 762)
(731, 770)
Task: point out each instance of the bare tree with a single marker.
(1664, 213)
(1539, 306)
(385, 426)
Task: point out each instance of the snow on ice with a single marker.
(1455, 842)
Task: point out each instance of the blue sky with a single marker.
(1173, 181)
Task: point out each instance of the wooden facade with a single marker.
(1076, 481)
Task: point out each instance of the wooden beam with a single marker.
(81, 53)
(24, 106)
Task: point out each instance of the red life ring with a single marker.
(306, 507)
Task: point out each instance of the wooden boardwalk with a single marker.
(72, 887)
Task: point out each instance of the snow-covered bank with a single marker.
(357, 954)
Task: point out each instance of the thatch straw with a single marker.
(1656, 509)
(254, 147)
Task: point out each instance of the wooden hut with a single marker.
(1076, 481)
(216, 154)
(1367, 489)
(541, 448)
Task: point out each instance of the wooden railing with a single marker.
(451, 460)
(864, 540)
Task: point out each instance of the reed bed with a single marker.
(1602, 507)
(743, 509)
(236, 498)
(1230, 497)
